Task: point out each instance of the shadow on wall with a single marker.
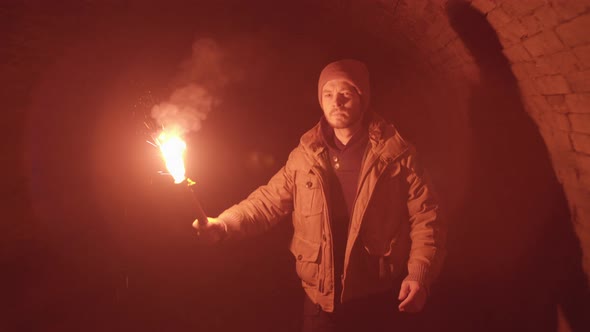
(513, 255)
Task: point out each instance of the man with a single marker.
(366, 222)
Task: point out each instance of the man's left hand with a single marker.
(413, 296)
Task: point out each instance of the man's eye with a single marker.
(327, 95)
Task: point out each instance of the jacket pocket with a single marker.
(308, 201)
(307, 257)
(390, 257)
(378, 262)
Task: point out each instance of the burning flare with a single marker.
(173, 147)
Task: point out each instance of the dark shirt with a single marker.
(346, 161)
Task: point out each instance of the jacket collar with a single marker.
(385, 140)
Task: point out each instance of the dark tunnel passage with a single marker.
(98, 240)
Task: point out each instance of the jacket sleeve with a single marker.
(264, 207)
(427, 229)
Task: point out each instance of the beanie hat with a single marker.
(353, 72)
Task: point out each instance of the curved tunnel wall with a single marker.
(547, 45)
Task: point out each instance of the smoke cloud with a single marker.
(185, 110)
(201, 77)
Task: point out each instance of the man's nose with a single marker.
(340, 99)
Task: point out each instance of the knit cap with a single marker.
(352, 71)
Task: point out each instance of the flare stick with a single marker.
(201, 215)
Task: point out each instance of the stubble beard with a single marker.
(341, 121)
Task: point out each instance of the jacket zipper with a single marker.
(327, 221)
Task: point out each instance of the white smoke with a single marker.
(202, 74)
(185, 110)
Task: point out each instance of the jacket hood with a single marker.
(385, 139)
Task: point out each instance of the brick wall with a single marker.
(548, 46)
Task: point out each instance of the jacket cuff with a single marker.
(232, 221)
(418, 272)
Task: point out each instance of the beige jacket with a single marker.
(395, 225)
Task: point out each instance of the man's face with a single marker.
(341, 104)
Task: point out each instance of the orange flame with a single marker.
(173, 147)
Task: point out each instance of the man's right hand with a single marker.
(211, 233)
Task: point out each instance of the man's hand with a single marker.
(413, 296)
(212, 233)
